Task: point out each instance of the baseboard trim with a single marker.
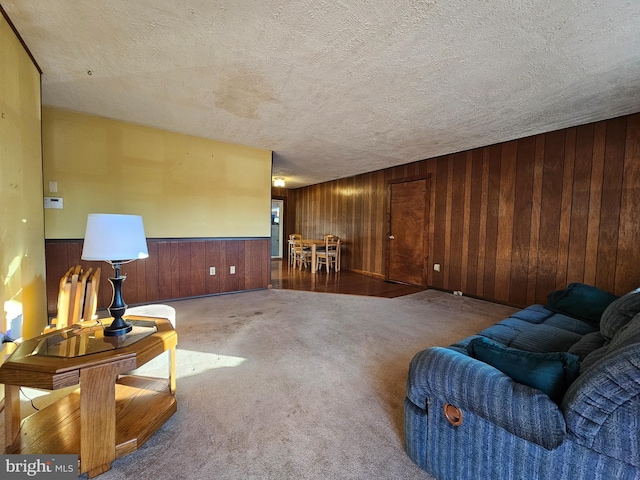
(368, 274)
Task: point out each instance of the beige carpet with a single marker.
(282, 384)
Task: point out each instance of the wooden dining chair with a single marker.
(329, 255)
(292, 239)
(301, 255)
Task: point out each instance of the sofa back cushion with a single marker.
(619, 313)
(602, 407)
(627, 334)
(581, 301)
(587, 344)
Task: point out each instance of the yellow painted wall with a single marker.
(22, 263)
(183, 186)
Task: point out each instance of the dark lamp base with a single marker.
(118, 327)
(118, 307)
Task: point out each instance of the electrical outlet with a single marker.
(232, 269)
(436, 267)
(212, 270)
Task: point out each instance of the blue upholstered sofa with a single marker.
(467, 419)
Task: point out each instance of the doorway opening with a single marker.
(277, 227)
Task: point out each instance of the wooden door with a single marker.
(407, 240)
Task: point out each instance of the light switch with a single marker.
(53, 186)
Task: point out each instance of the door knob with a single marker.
(391, 237)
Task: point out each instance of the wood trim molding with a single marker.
(20, 39)
(369, 274)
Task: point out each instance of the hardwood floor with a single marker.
(288, 278)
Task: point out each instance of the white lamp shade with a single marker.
(112, 237)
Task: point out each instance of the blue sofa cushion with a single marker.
(628, 335)
(551, 373)
(581, 301)
(545, 338)
(587, 344)
(619, 313)
(601, 407)
(538, 329)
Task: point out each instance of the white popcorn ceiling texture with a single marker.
(336, 88)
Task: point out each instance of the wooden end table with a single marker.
(111, 414)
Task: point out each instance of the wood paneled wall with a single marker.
(177, 268)
(509, 222)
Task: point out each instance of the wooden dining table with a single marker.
(314, 244)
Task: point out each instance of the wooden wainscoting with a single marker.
(176, 268)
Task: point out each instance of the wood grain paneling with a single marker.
(629, 229)
(595, 203)
(523, 208)
(565, 209)
(177, 268)
(440, 217)
(493, 206)
(548, 237)
(456, 213)
(610, 204)
(504, 249)
(580, 201)
(475, 204)
(508, 222)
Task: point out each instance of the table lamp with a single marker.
(115, 239)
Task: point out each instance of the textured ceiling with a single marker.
(337, 88)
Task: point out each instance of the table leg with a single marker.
(11, 415)
(97, 419)
(172, 370)
(313, 258)
(292, 263)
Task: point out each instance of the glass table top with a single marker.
(77, 342)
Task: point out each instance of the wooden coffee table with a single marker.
(111, 414)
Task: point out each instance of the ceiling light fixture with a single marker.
(278, 182)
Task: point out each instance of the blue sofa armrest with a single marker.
(482, 390)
